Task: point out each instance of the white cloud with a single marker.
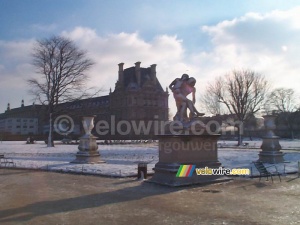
(43, 27)
(267, 43)
(107, 51)
(15, 68)
(15, 52)
(284, 48)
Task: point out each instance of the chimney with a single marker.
(138, 73)
(121, 72)
(153, 73)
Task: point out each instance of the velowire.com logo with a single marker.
(188, 170)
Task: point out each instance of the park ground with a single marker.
(122, 160)
(37, 197)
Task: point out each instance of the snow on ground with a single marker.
(122, 160)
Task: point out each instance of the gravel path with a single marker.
(30, 197)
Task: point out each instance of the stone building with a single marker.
(138, 97)
(24, 120)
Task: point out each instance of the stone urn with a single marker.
(270, 146)
(269, 122)
(87, 145)
(88, 125)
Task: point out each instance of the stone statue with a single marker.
(181, 88)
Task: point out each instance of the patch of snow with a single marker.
(122, 160)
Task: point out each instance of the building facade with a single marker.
(25, 120)
(138, 97)
(20, 126)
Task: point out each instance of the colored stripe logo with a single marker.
(185, 171)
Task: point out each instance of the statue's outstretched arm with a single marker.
(172, 84)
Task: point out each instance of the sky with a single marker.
(204, 38)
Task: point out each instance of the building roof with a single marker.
(16, 112)
(33, 109)
(131, 80)
(88, 102)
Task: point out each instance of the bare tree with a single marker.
(212, 104)
(62, 66)
(283, 101)
(242, 92)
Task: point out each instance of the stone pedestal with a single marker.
(270, 147)
(87, 145)
(176, 150)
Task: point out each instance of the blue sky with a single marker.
(205, 38)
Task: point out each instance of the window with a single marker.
(134, 100)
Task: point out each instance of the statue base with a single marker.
(271, 150)
(88, 153)
(176, 150)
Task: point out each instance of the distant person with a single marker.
(31, 139)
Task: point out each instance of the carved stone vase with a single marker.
(87, 145)
(88, 125)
